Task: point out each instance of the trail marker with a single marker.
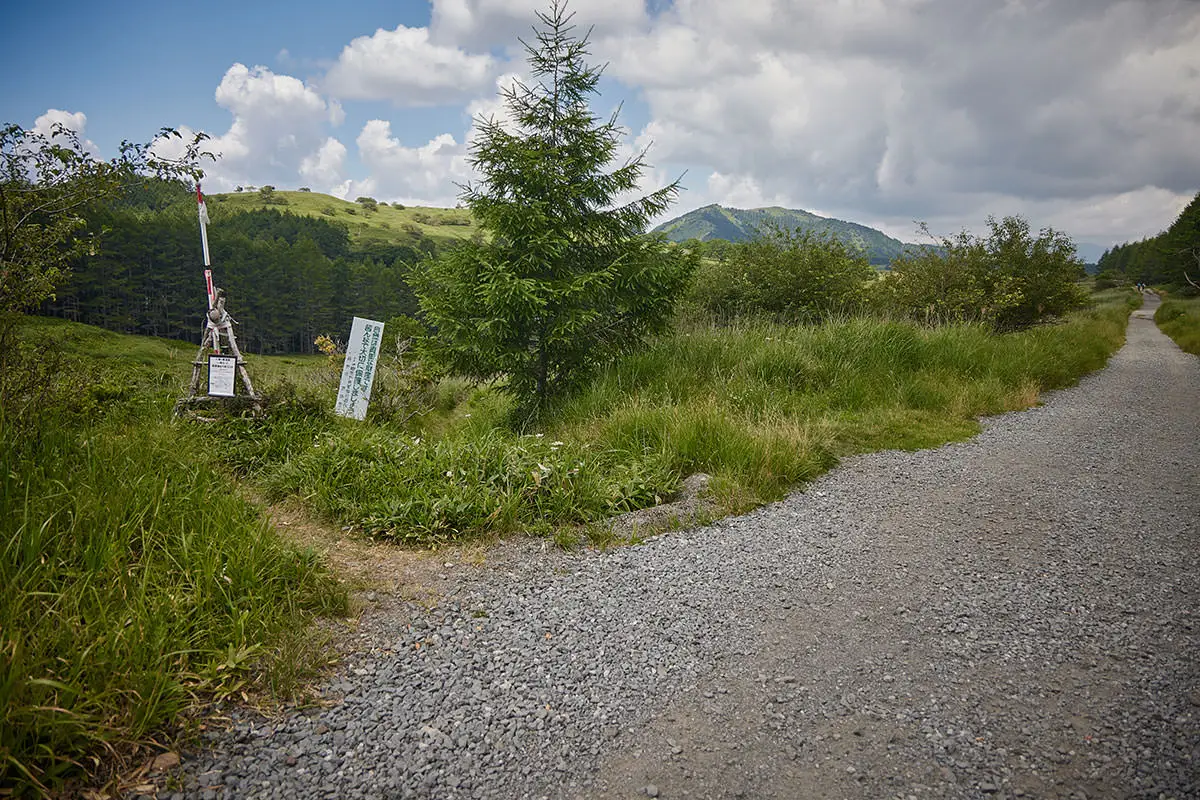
(358, 372)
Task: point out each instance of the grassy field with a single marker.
(1179, 318)
(760, 407)
(385, 223)
(136, 580)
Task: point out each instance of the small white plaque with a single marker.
(221, 371)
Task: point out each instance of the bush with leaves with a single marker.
(1009, 280)
(567, 279)
(783, 273)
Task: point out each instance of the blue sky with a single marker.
(1079, 114)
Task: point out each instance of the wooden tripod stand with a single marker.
(218, 323)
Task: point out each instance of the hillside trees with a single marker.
(288, 276)
(1172, 257)
(1011, 279)
(567, 280)
(47, 183)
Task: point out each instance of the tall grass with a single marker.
(133, 580)
(1179, 318)
(762, 407)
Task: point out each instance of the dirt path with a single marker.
(1012, 616)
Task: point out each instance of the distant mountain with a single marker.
(736, 225)
(1088, 252)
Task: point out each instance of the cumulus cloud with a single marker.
(325, 166)
(75, 121)
(926, 108)
(486, 23)
(280, 128)
(404, 67)
(426, 174)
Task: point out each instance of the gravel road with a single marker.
(1013, 616)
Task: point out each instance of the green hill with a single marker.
(735, 225)
(383, 223)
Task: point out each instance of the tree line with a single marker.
(1170, 258)
(288, 277)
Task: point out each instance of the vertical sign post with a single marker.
(358, 373)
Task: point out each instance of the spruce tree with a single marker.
(565, 278)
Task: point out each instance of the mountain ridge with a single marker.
(715, 221)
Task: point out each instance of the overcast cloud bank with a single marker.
(1080, 114)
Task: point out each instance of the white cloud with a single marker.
(404, 67)
(501, 22)
(73, 121)
(426, 174)
(280, 129)
(325, 166)
(927, 109)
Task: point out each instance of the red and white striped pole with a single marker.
(203, 223)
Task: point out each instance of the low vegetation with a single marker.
(1009, 279)
(1179, 318)
(761, 406)
(789, 274)
(135, 580)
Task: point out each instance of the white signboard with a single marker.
(358, 373)
(221, 370)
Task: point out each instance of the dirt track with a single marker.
(1013, 616)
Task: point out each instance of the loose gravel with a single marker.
(1011, 616)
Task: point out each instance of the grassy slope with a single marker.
(1179, 318)
(385, 224)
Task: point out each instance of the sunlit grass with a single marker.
(762, 407)
(134, 580)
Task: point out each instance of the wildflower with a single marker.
(449, 473)
(556, 444)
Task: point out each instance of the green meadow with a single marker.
(141, 579)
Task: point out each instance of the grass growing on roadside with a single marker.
(133, 578)
(761, 407)
(1179, 318)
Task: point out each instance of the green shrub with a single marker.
(1009, 280)
(471, 483)
(1109, 279)
(784, 273)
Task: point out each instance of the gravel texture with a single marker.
(1011, 616)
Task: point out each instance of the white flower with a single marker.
(449, 473)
